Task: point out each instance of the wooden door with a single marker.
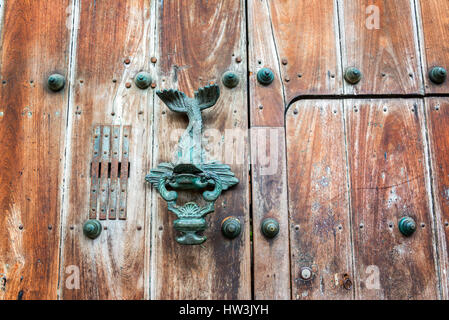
(336, 164)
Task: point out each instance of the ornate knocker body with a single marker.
(190, 172)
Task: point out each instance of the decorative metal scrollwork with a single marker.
(190, 171)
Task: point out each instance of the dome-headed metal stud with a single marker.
(92, 228)
(265, 76)
(231, 227)
(306, 273)
(230, 79)
(438, 75)
(407, 226)
(56, 82)
(353, 75)
(270, 228)
(143, 80)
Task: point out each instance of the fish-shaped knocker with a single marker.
(190, 172)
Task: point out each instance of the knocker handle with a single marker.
(190, 172)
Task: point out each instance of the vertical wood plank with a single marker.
(35, 43)
(198, 42)
(271, 270)
(269, 198)
(389, 180)
(113, 45)
(379, 38)
(307, 39)
(266, 102)
(437, 122)
(318, 200)
(434, 39)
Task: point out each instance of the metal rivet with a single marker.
(92, 228)
(230, 79)
(56, 82)
(270, 228)
(238, 59)
(231, 227)
(127, 61)
(143, 80)
(347, 283)
(306, 273)
(153, 59)
(407, 226)
(353, 75)
(265, 76)
(284, 61)
(438, 75)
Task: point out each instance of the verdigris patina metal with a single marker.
(190, 171)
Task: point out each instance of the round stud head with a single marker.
(231, 227)
(143, 80)
(438, 75)
(407, 226)
(56, 82)
(306, 273)
(353, 75)
(265, 76)
(230, 79)
(92, 228)
(270, 228)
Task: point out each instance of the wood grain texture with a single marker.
(267, 106)
(434, 36)
(437, 123)
(320, 233)
(111, 266)
(269, 200)
(35, 43)
(307, 40)
(389, 180)
(268, 172)
(198, 43)
(386, 53)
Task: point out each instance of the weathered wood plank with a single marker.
(389, 180)
(269, 199)
(198, 42)
(434, 36)
(35, 43)
(267, 102)
(379, 38)
(307, 41)
(320, 232)
(437, 122)
(271, 273)
(108, 56)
